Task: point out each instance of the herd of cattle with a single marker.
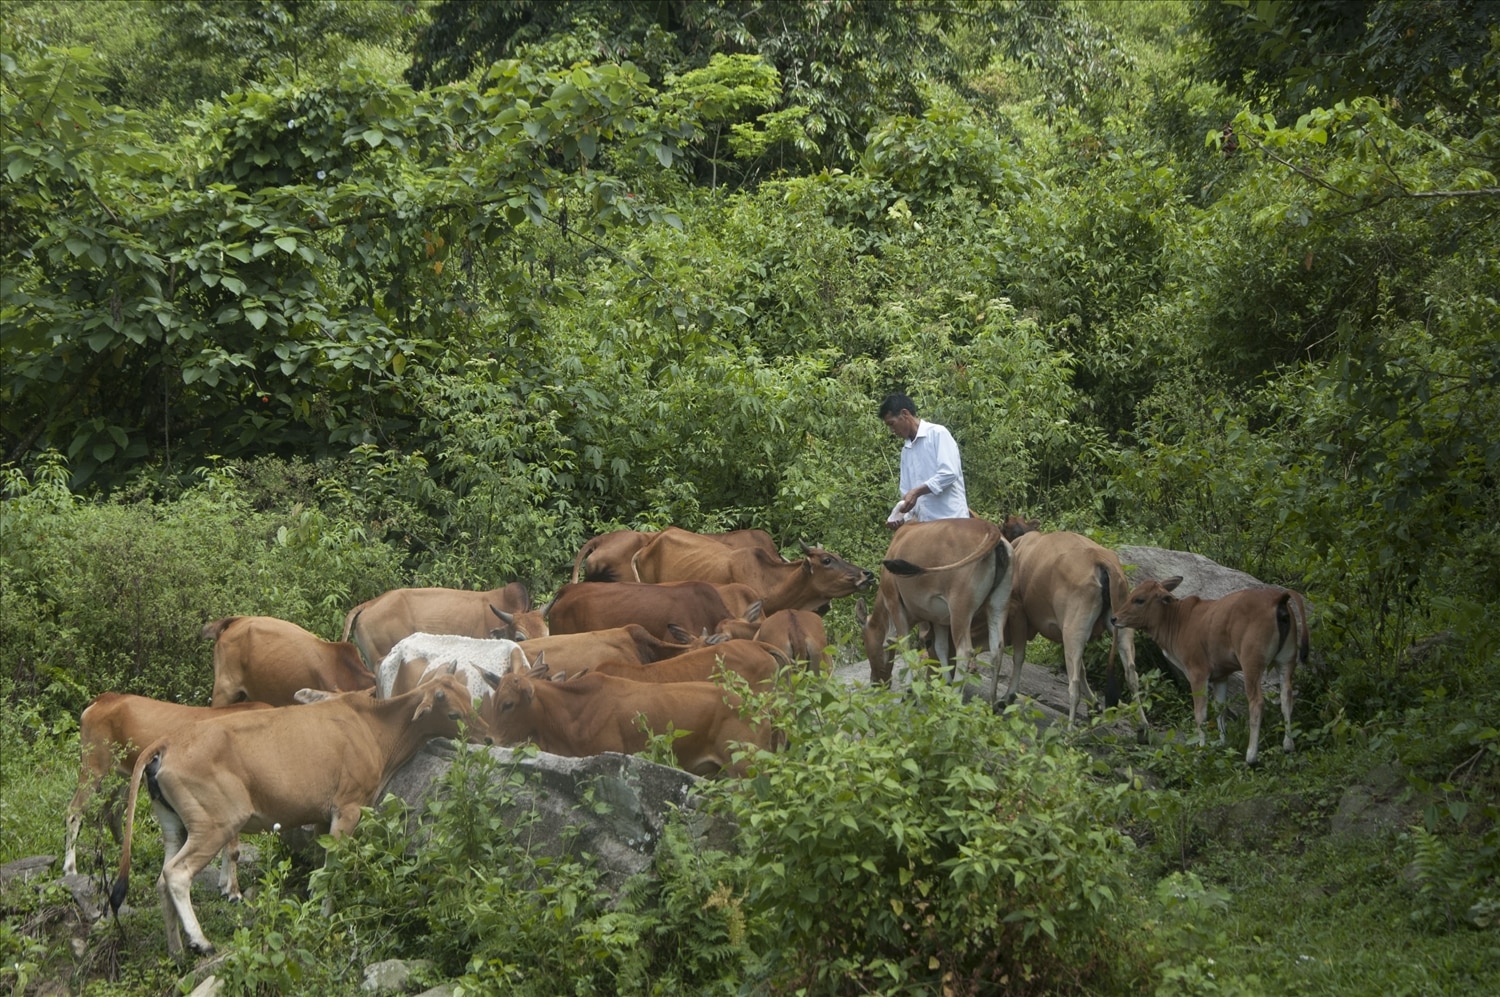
(306, 731)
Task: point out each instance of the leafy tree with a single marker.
(264, 298)
(843, 64)
(1421, 55)
(248, 40)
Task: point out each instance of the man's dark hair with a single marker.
(895, 402)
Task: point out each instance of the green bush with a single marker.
(112, 596)
(918, 844)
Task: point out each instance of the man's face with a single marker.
(902, 424)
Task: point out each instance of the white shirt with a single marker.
(931, 458)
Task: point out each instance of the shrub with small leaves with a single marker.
(916, 842)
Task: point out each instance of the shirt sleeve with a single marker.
(949, 467)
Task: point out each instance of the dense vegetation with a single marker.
(304, 301)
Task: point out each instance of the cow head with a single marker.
(1146, 604)
(520, 625)
(1015, 527)
(442, 704)
(832, 576)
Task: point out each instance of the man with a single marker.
(932, 476)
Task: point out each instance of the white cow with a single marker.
(416, 658)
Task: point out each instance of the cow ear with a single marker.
(1171, 583)
(680, 635)
(312, 695)
(861, 611)
(756, 609)
(424, 706)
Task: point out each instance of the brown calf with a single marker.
(1251, 630)
(595, 713)
(260, 659)
(252, 771)
(112, 730)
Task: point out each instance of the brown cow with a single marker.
(111, 732)
(377, 625)
(583, 606)
(1066, 587)
(1251, 630)
(261, 659)
(293, 765)
(572, 653)
(819, 577)
(798, 633)
(944, 572)
(607, 557)
(753, 660)
(592, 713)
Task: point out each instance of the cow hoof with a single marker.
(202, 949)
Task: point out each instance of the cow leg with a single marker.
(997, 624)
(175, 889)
(1198, 683)
(229, 862)
(1221, 696)
(1287, 743)
(1017, 659)
(1255, 698)
(1078, 684)
(1124, 637)
(88, 784)
(345, 818)
(185, 858)
(942, 650)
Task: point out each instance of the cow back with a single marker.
(266, 660)
(584, 606)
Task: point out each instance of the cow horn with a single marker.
(508, 619)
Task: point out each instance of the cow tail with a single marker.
(1106, 610)
(1286, 623)
(148, 764)
(899, 566)
(1299, 607)
(350, 619)
(583, 553)
(1291, 623)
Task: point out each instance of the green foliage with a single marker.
(499, 910)
(272, 300)
(1296, 56)
(841, 66)
(113, 597)
(278, 955)
(1454, 884)
(970, 853)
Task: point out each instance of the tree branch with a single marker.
(1401, 190)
